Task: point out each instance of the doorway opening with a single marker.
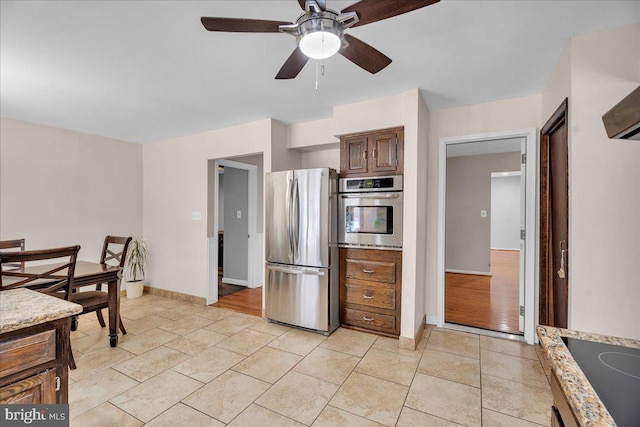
(486, 233)
(235, 234)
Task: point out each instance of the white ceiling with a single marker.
(147, 70)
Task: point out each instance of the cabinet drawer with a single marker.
(367, 319)
(371, 296)
(371, 270)
(23, 353)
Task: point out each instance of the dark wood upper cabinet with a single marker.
(372, 153)
(355, 151)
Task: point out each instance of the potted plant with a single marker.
(135, 267)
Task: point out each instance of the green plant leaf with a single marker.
(137, 258)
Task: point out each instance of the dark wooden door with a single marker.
(384, 152)
(354, 155)
(554, 219)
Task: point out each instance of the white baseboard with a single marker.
(235, 281)
(476, 273)
(506, 249)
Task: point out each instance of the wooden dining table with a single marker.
(87, 274)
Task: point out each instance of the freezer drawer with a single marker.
(298, 296)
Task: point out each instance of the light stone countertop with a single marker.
(585, 403)
(21, 308)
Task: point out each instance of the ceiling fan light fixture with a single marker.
(320, 44)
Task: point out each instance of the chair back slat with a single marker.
(41, 278)
(115, 249)
(12, 245)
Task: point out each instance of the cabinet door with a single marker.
(36, 390)
(354, 155)
(384, 152)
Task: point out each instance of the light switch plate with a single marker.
(483, 214)
(196, 216)
(239, 214)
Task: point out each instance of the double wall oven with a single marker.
(370, 215)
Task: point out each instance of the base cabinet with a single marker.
(39, 389)
(561, 414)
(34, 364)
(370, 289)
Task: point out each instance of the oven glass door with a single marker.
(371, 219)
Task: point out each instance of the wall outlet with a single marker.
(483, 214)
(239, 214)
(196, 216)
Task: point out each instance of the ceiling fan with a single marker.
(320, 31)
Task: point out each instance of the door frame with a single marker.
(531, 140)
(252, 214)
(558, 118)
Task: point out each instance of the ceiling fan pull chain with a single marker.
(317, 65)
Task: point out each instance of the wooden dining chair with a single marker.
(114, 252)
(54, 278)
(12, 246)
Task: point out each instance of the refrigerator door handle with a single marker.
(296, 218)
(295, 271)
(289, 225)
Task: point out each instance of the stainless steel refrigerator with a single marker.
(301, 248)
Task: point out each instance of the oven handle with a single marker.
(370, 196)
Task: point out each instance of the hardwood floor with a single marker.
(487, 302)
(225, 289)
(247, 301)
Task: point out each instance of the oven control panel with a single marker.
(379, 183)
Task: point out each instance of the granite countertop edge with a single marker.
(22, 308)
(583, 400)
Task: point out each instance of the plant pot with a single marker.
(135, 289)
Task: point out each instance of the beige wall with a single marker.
(558, 87)
(421, 201)
(467, 234)
(60, 187)
(322, 158)
(175, 184)
(509, 114)
(604, 200)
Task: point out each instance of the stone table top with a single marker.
(21, 308)
(583, 400)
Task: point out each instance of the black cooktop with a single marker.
(614, 373)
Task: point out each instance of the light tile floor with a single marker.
(182, 364)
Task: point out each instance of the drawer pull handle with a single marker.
(367, 297)
(368, 319)
(368, 271)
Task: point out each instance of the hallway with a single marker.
(487, 302)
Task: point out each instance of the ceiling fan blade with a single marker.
(240, 25)
(293, 65)
(364, 55)
(376, 10)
